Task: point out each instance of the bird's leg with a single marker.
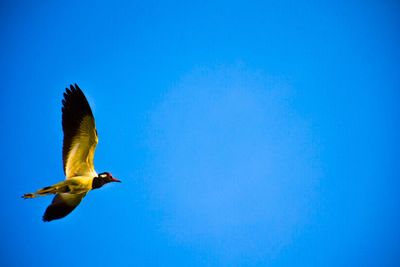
(53, 189)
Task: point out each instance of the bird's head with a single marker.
(102, 179)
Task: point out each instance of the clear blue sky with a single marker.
(245, 133)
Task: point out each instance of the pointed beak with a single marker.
(116, 180)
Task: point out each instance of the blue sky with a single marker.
(246, 133)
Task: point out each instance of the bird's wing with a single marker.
(80, 135)
(62, 205)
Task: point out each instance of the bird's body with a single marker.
(80, 140)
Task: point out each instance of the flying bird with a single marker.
(80, 140)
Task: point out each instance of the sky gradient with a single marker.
(246, 133)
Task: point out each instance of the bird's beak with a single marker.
(115, 180)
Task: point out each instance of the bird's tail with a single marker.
(53, 189)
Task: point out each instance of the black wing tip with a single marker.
(57, 210)
(46, 219)
(61, 206)
(51, 214)
(74, 87)
(72, 92)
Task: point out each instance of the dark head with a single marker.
(102, 179)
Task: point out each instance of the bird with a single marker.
(79, 144)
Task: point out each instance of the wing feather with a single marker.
(80, 135)
(62, 205)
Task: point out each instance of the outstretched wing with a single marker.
(62, 205)
(80, 135)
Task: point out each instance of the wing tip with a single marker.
(61, 207)
(69, 93)
(45, 219)
(74, 87)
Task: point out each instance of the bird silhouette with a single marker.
(80, 140)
